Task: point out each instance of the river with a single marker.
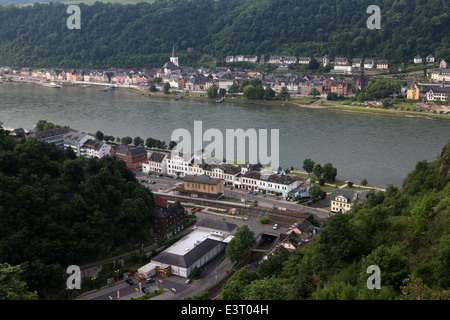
(380, 148)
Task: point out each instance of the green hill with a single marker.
(142, 35)
(405, 232)
(57, 210)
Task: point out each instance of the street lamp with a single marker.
(117, 274)
(93, 281)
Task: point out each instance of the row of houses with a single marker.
(251, 177)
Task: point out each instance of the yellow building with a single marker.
(343, 201)
(203, 184)
(413, 92)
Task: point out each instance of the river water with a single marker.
(382, 149)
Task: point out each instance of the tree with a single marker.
(308, 166)
(99, 135)
(166, 88)
(211, 92)
(12, 285)
(318, 170)
(269, 93)
(332, 96)
(364, 182)
(314, 92)
(222, 92)
(329, 172)
(157, 80)
(138, 141)
(127, 140)
(152, 88)
(265, 289)
(234, 88)
(284, 94)
(238, 247)
(172, 145)
(316, 192)
(250, 92)
(313, 64)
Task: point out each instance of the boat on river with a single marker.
(51, 85)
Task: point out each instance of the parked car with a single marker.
(149, 280)
(275, 226)
(129, 281)
(145, 290)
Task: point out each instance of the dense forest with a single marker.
(57, 210)
(405, 232)
(142, 35)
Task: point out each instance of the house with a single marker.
(430, 58)
(252, 59)
(250, 180)
(94, 148)
(178, 164)
(356, 63)
(205, 242)
(344, 200)
(325, 60)
(440, 75)
(368, 64)
(304, 60)
(227, 172)
(341, 61)
(412, 91)
(133, 157)
(417, 59)
(382, 64)
(275, 60)
(167, 221)
(277, 184)
(299, 236)
(339, 87)
(156, 163)
(75, 141)
(438, 94)
(443, 64)
(229, 58)
(289, 60)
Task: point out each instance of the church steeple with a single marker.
(174, 58)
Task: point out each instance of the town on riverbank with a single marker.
(320, 82)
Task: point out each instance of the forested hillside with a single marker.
(57, 210)
(405, 232)
(142, 35)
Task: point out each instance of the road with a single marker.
(165, 184)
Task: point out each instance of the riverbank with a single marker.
(300, 102)
(304, 102)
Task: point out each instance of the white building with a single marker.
(275, 183)
(75, 140)
(156, 163)
(94, 148)
(203, 244)
(178, 165)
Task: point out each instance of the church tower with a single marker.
(174, 58)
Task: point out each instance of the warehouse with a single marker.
(204, 243)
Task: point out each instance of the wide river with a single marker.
(382, 149)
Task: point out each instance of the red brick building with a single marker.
(133, 157)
